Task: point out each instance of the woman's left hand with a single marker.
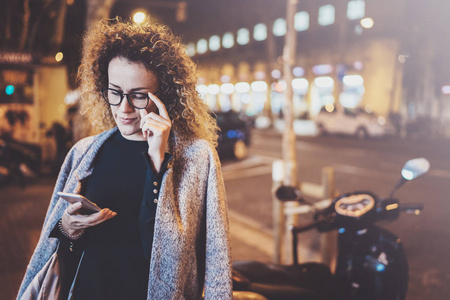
(156, 129)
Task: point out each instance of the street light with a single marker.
(59, 56)
(139, 17)
(367, 23)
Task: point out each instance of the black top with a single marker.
(117, 252)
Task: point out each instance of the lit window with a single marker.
(243, 36)
(353, 80)
(301, 21)
(298, 71)
(260, 32)
(190, 49)
(214, 43)
(227, 88)
(276, 74)
(279, 27)
(242, 87)
(324, 82)
(326, 15)
(228, 40)
(322, 69)
(445, 89)
(213, 89)
(225, 78)
(356, 9)
(260, 75)
(259, 86)
(202, 46)
(300, 84)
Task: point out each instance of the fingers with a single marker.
(100, 217)
(72, 209)
(155, 127)
(156, 117)
(76, 221)
(162, 117)
(143, 113)
(161, 107)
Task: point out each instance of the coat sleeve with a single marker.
(44, 249)
(218, 284)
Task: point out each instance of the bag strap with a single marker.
(70, 296)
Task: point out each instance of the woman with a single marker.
(163, 231)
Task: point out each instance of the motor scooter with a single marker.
(371, 263)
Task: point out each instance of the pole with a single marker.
(289, 151)
(279, 220)
(341, 63)
(328, 239)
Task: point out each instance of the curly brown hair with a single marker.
(161, 52)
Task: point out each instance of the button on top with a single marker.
(155, 183)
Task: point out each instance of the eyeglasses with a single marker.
(135, 99)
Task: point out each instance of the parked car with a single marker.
(234, 135)
(356, 122)
(18, 160)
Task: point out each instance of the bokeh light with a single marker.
(59, 56)
(139, 17)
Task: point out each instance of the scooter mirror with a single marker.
(288, 193)
(412, 169)
(415, 168)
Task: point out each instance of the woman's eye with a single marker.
(139, 96)
(115, 93)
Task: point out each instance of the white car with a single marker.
(352, 122)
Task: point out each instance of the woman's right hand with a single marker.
(74, 222)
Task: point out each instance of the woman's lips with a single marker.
(126, 120)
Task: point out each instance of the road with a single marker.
(372, 165)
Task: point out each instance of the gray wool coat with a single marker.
(191, 244)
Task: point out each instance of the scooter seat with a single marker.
(309, 281)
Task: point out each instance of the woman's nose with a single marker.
(125, 106)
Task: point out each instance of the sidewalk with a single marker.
(248, 240)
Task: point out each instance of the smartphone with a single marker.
(87, 208)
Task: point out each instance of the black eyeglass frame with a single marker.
(122, 95)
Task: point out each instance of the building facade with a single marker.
(32, 95)
(349, 53)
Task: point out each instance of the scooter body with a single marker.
(371, 265)
(371, 262)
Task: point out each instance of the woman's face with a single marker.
(126, 77)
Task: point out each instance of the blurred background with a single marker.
(381, 58)
(370, 86)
